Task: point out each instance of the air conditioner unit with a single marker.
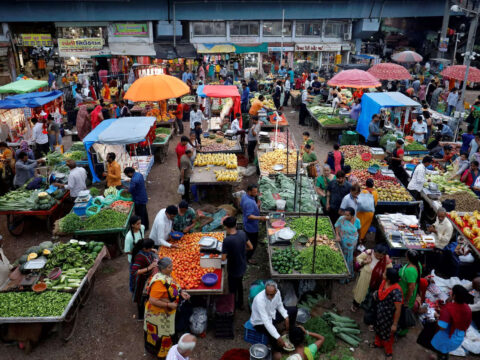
(346, 36)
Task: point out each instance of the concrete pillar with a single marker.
(443, 34)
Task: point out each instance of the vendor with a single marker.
(26, 149)
(113, 173)
(374, 131)
(256, 106)
(419, 129)
(235, 126)
(356, 109)
(24, 169)
(418, 177)
(139, 194)
(442, 229)
(445, 131)
(185, 220)
(396, 161)
(264, 316)
(76, 179)
(307, 140)
(309, 156)
(196, 115)
(471, 175)
(162, 226)
(448, 155)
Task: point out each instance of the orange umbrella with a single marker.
(156, 88)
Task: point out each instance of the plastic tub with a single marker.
(209, 279)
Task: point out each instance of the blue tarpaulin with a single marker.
(30, 100)
(121, 131)
(373, 102)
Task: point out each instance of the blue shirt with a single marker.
(282, 72)
(292, 76)
(245, 94)
(190, 76)
(184, 77)
(249, 207)
(447, 131)
(137, 189)
(466, 140)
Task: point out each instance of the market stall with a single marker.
(269, 141)
(225, 91)
(278, 161)
(163, 136)
(113, 135)
(215, 169)
(23, 86)
(36, 294)
(331, 121)
(216, 143)
(467, 224)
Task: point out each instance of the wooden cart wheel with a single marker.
(15, 224)
(88, 292)
(68, 326)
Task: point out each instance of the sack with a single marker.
(365, 202)
(4, 268)
(407, 318)
(181, 189)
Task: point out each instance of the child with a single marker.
(198, 131)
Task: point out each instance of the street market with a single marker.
(278, 200)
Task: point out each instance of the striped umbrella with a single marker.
(457, 72)
(407, 57)
(389, 71)
(354, 79)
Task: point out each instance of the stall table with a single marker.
(160, 148)
(235, 149)
(205, 177)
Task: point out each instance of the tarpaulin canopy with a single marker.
(373, 102)
(257, 48)
(23, 86)
(225, 91)
(121, 131)
(30, 100)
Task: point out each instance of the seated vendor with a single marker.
(225, 124)
(308, 155)
(441, 229)
(162, 226)
(265, 308)
(448, 155)
(76, 179)
(185, 220)
(24, 169)
(235, 126)
(446, 131)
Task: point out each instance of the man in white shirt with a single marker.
(196, 115)
(335, 101)
(418, 177)
(162, 226)
(303, 106)
(264, 311)
(419, 129)
(41, 139)
(183, 349)
(286, 88)
(452, 101)
(235, 126)
(442, 229)
(76, 179)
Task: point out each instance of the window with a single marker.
(82, 32)
(308, 28)
(244, 28)
(212, 28)
(335, 29)
(274, 28)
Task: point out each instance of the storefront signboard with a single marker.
(36, 39)
(279, 48)
(318, 47)
(80, 45)
(138, 30)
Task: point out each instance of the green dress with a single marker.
(322, 183)
(408, 275)
(309, 157)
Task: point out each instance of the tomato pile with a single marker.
(186, 259)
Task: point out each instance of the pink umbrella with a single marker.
(389, 71)
(457, 72)
(354, 79)
(407, 57)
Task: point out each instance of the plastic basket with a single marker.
(92, 210)
(252, 336)
(124, 195)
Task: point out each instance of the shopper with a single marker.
(252, 138)
(179, 116)
(303, 106)
(374, 131)
(97, 116)
(83, 123)
(452, 100)
(196, 115)
(467, 138)
(162, 226)
(257, 105)
(186, 173)
(139, 194)
(336, 191)
(396, 162)
(419, 178)
(335, 159)
(297, 338)
(410, 275)
(23, 147)
(234, 250)
(347, 230)
(251, 217)
(350, 200)
(322, 184)
(245, 98)
(356, 109)
(181, 148)
(366, 203)
(135, 234)
(113, 174)
(40, 137)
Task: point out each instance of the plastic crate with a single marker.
(80, 209)
(252, 336)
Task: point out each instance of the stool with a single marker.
(224, 311)
(252, 336)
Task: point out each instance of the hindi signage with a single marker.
(138, 30)
(36, 39)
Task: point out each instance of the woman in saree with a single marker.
(143, 263)
(297, 338)
(83, 124)
(347, 228)
(164, 296)
(322, 184)
(366, 217)
(374, 263)
(96, 116)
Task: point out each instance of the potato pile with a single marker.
(278, 157)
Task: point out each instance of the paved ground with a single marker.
(107, 328)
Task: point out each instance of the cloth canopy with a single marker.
(225, 91)
(30, 100)
(354, 78)
(373, 102)
(121, 131)
(389, 71)
(23, 86)
(407, 57)
(156, 88)
(457, 72)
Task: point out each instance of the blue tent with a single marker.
(373, 102)
(121, 131)
(30, 100)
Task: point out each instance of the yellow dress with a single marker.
(367, 217)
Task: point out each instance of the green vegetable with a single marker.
(105, 219)
(31, 304)
(305, 225)
(54, 158)
(327, 261)
(76, 155)
(110, 191)
(285, 261)
(415, 146)
(20, 199)
(70, 223)
(320, 326)
(94, 191)
(77, 146)
(345, 330)
(357, 163)
(348, 339)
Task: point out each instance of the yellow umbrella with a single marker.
(156, 88)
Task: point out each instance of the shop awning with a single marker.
(258, 48)
(30, 100)
(165, 52)
(215, 48)
(132, 49)
(225, 91)
(186, 51)
(23, 86)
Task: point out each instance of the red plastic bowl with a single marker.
(278, 224)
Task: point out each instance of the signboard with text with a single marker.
(80, 45)
(139, 30)
(318, 47)
(36, 40)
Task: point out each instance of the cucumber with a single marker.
(345, 330)
(344, 325)
(348, 339)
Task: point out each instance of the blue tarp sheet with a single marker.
(121, 131)
(373, 102)
(30, 100)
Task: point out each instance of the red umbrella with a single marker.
(457, 72)
(407, 57)
(389, 71)
(354, 79)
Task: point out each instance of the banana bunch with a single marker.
(226, 175)
(227, 160)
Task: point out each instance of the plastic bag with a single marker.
(288, 294)
(365, 202)
(198, 321)
(181, 189)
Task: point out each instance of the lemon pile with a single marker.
(226, 175)
(227, 160)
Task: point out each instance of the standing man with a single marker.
(181, 148)
(184, 76)
(223, 72)
(286, 88)
(162, 226)
(418, 177)
(291, 74)
(196, 115)
(245, 97)
(251, 217)
(113, 174)
(211, 71)
(252, 138)
(139, 194)
(179, 116)
(256, 106)
(183, 349)
(186, 172)
(54, 137)
(282, 72)
(76, 179)
(336, 191)
(40, 137)
(419, 129)
(125, 111)
(452, 101)
(303, 107)
(316, 85)
(374, 131)
(235, 246)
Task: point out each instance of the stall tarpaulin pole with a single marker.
(315, 240)
(300, 195)
(296, 178)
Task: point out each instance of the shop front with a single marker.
(249, 56)
(276, 57)
(316, 56)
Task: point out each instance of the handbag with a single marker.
(365, 202)
(312, 171)
(370, 315)
(426, 335)
(407, 318)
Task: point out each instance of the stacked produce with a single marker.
(286, 260)
(217, 143)
(388, 188)
(44, 201)
(121, 206)
(463, 201)
(469, 224)
(161, 116)
(317, 110)
(186, 99)
(267, 102)
(161, 135)
(227, 160)
(278, 157)
(305, 225)
(106, 218)
(75, 155)
(23, 200)
(72, 255)
(43, 249)
(54, 158)
(327, 261)
(415, 146)
(450, 187)
(186, 259)
(281, 138)
(327, 120)
(318, 325)
(351, 151)
(344, 328)
(357, 163)
(30, 304)
(226, 175)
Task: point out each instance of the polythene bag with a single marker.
(198, 321)
(365, 202)
(181, 189)
(4, 268)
